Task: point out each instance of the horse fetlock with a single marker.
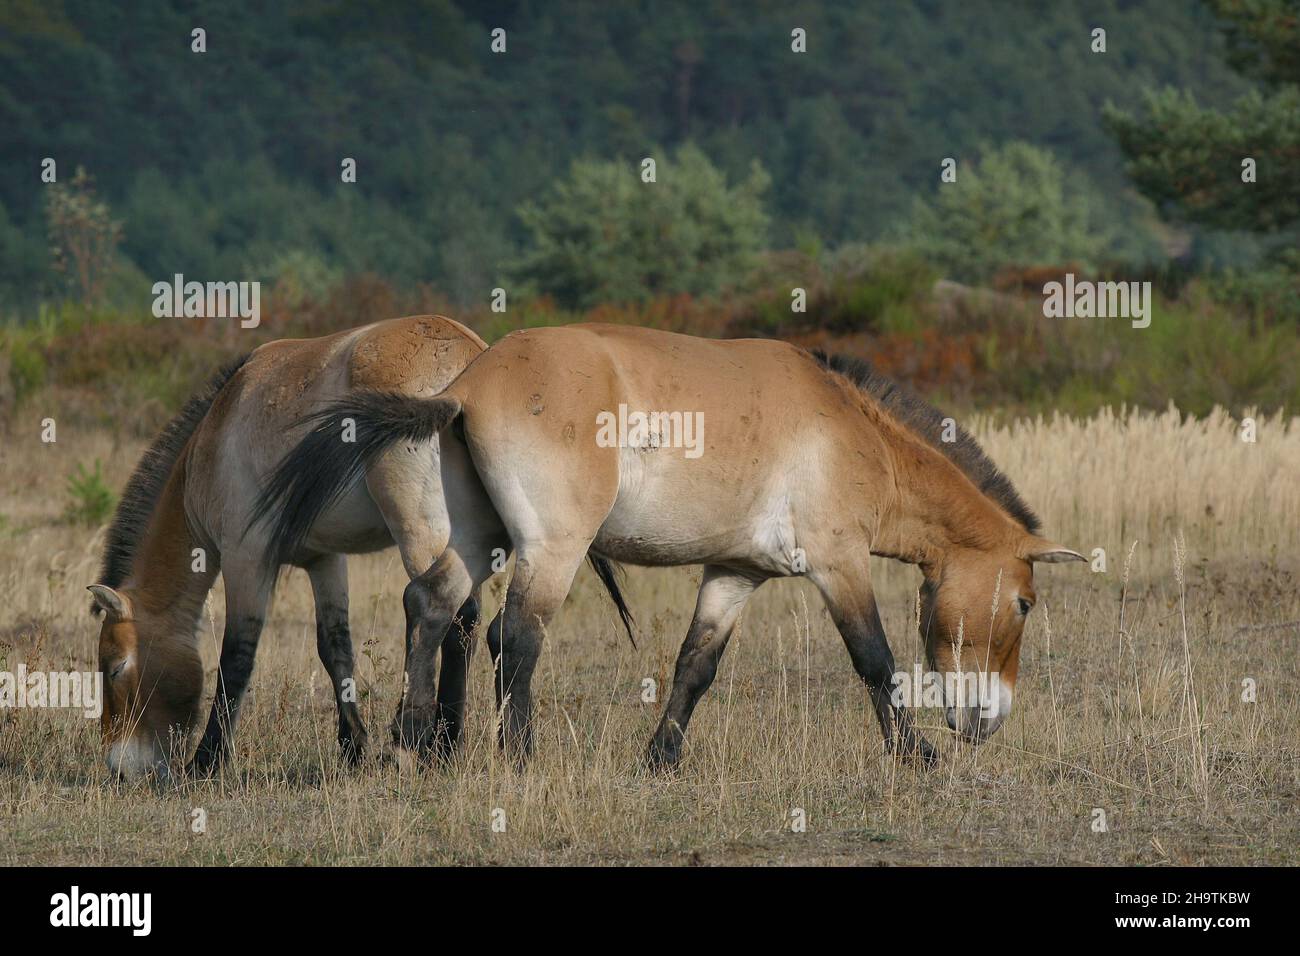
(416, 729)
(665, 750)
(446, 740)
(916, 749)
(515, 734)
(353, 738)
(909, 745)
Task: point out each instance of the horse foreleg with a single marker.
(247, 594)
(457, 648)
(853, 607)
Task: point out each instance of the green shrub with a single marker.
(880, 292)
(852, 289)
(92, 501)
(1271, 294)
(601, 235)
(26, 369)
(1010, 207)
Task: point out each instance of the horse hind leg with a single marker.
(406, 486)
(453, 675)
(416, 490)
(541, 581)
(438, 604)
(723, 594)
(329, 583)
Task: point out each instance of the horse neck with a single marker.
(166, 588)
(934, 509)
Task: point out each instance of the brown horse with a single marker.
(753, 458)
(186, 514)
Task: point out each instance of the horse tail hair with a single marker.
(345, 439)
(608, 572)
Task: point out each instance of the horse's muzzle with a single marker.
(968, 722)
(130, 759)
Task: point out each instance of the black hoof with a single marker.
(353, 746)
(919, 751)
(662, 760)
(418, 733)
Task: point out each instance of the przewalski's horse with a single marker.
(800, 464)
(186, 509)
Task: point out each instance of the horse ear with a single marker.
(1034, 548)
(112, 603)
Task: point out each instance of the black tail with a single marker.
(346, 438)
(607, 571)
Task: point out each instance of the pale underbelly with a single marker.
(353, 525)
(649, 527)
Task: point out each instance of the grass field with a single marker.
(1129, 703)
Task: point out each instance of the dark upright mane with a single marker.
(926, 422)
(150, 477)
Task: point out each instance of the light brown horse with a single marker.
(186, 515)
(753, 458)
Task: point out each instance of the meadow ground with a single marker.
(1134, 699)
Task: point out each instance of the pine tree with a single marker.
(1196, 162)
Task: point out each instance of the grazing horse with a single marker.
(186, 513)
(789, 463)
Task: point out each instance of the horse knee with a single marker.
(426, 598)
(417, 599)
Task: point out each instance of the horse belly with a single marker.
(352, 525)
(664, 517)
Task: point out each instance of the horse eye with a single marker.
(118, 669)
(1025, 605)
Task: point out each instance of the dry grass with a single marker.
(1115, 477)
(1129, 699)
